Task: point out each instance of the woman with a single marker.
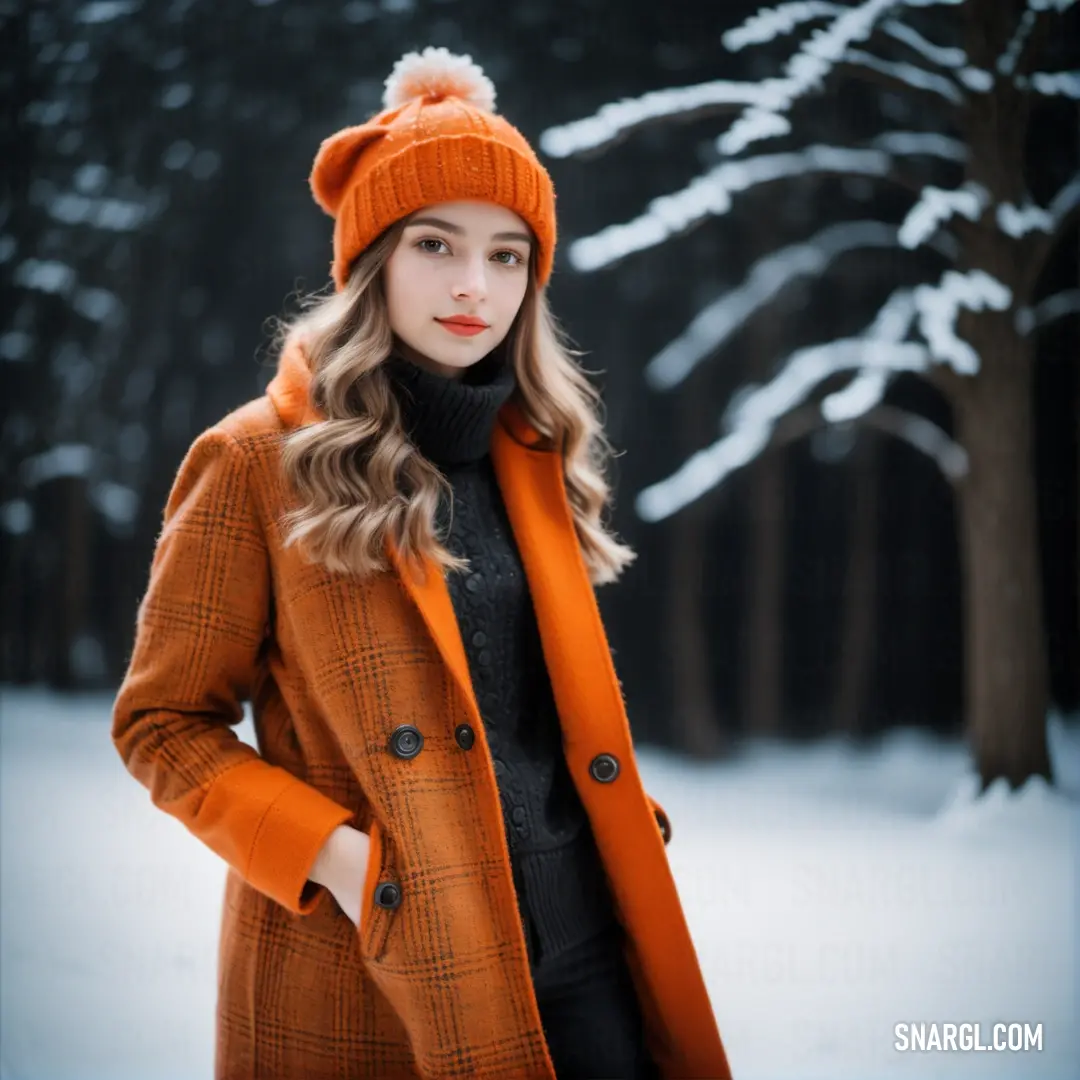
(442, 862)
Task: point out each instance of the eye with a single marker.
(514, 258)
(431, 250)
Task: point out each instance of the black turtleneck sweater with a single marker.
(562, 892)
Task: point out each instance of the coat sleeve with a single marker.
(199, 631)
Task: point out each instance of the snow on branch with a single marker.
(937, 205)
(771, 23)
(764, 104)
(976, 79)
(804, 72)
(930, 143)
(619, 118)
(46, 275)
(1018, 221)
(856, 399)
(891, 323)
(102, 11)
(924, 435)
(943, 56)
(808, 67)
(1053, 83)
(755, 413)
(1050, 5)
(715, 324)
(751, 420)
(938, 306)
(710, 195)
(1065, 201)
(64, 459)
(1010, 58)
(1030, 319)
(916, 78)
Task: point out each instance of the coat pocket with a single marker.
(377, 908)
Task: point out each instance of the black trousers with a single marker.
(590, 1012)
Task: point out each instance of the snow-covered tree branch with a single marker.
(807, 69)
(897, 74)
(1052, 83)
(1065, 204)
(711, 196)
(936, 206)
(922, 435)
(757, 414)
(1059, 217)
(770, 23)
(715, 324)
(1058, 306)
(949, 58)
(615, 121)
(764, 104)
(937, 307)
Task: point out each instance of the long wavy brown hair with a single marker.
(361, 481)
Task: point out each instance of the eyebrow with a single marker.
(456, 230)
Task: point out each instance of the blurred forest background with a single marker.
(156, 216)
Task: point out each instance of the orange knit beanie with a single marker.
(436, 140)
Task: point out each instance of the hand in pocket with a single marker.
(342, 867)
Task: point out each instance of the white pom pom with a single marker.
(437, 72)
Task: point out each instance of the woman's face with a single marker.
(455, 282)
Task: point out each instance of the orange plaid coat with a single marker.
(440, 985)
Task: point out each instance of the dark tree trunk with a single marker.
(763, 666)
(856, 658)
(1006, 662)
(695, 721)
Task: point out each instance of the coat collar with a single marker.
(523, 471)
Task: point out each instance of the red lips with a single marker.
(463, 325)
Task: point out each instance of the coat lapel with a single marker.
(427, 588)
(575, 646)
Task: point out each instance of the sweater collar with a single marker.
(450, 421)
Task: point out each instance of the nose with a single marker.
(471, 281)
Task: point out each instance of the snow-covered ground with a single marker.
(833, 893)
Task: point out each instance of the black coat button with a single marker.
(604, 768)
(479, 639)
(465, 736)
(388, 895)
(406, 741)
